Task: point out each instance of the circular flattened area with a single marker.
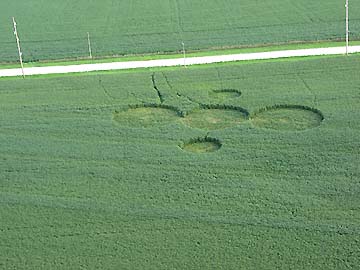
(224, 94)
(288, 118)
(145, 116)
(202, 145)
(215, 118)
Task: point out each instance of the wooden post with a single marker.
(347, 26)
(18, 46)
(89, 44)
(184, 53)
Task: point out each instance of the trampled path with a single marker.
(177, 62)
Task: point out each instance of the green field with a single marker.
(58, 29)
(118, 171)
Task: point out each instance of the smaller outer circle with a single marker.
(271, 118)
(201, 145)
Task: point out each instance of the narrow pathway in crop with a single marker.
(161, 98)
(177, 61)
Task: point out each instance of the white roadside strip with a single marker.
(176, 62)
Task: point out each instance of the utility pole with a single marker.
(18, 46)
(89, 44)
(347, 26)
(184, 53)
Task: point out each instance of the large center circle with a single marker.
(215, 118)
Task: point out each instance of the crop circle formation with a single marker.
(215, 117)
(202, 145)
(288, 118)
(145, 116)
(226, 93)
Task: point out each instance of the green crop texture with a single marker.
(57, 29)
(104, 171)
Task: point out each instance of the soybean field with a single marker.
(237, 166)
(58, 29)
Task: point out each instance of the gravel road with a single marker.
(176, 62)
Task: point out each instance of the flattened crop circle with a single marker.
(215, 117)
(145, 116)
(202, 145)
(226, 93)
(288, 118)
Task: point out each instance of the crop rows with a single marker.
(79, 189)
(58, 29)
